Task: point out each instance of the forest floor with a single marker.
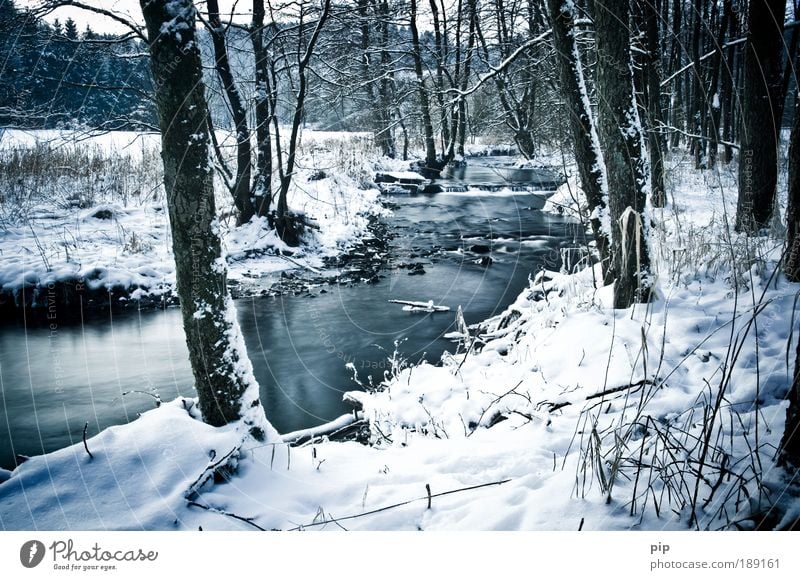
(559, 414)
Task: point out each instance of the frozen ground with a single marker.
(569, 415)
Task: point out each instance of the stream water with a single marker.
(105, 370)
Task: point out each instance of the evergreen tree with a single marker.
(71, 29)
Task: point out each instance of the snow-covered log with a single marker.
(414, 306)
(328, 428)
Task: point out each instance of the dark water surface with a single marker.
(53, 381)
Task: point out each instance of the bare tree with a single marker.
(431, 161)
(240, 188)
(286, 224)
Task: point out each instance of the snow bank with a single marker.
(110, 233)
(138, 478)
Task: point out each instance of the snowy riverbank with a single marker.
(88, 218)
(570, 415)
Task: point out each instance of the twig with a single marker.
(208, 472)
(85, 445)
(156, 397)
(508, 392)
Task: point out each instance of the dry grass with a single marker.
(77, 176)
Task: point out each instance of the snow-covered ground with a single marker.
(100, 217)
(571, 415)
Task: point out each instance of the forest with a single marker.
(400, 265)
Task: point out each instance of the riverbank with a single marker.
(84, 225)
(563, 414)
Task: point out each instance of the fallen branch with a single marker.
(300, 264)
(508, 392)
(611, 391)
(229, 514)
(427, 498)
(620, 388)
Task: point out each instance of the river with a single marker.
(54, 380)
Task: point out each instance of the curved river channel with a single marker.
(51, 384)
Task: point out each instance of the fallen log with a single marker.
(329, 429)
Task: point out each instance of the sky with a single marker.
(128, 9)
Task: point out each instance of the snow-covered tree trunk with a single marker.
(760, 128)
(789, 453)
(584, 134)
(226, 388)
(676, 102)
(621, 139)
(372, 17)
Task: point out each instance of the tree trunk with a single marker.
(621, 140)
(698, 84)
(376, 90)
(655, 136)
(587, 147)
(676, 110)
(789, 451)
(427, 125)
(226, 388)
(760, 129)
(262, 182)
(386, 138)
(713, 90)
(792, 262)
(729, 63)
(440, 55)
(515, 109)
(241, 186)
(461, 125)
